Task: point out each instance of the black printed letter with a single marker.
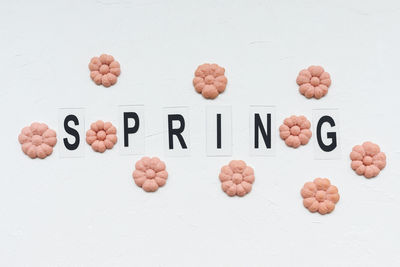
(331, 135)
(258, 125)
(177, 132)
(72, 132)
(129, 130)
(219, 131)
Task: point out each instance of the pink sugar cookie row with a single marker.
(237, 179)
(210, 79)
(38, 140)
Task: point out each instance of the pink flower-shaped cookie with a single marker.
(320, 196)
(150, 174)
(314, 82)
(37, 140)
(367, 159)
(101, 136)
(295, 130)
(210, 80)
(236, 178)
(104, 70)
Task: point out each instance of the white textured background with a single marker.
(88, 212)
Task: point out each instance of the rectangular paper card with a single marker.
(71, 132)
(219, 130)
(326, 127)
(131, 132)
(176, 131)
(262, 131)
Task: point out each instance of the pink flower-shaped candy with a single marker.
(367, 159)
(150, 174)
(236, 178)
(295, 131)
(104, 70)
(37, 140)
(210, 80)
(313, 82)
(101, 136)
(320, 196)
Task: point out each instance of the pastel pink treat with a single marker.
(367, 159)
(313, 82)
(37, 140)
(236, 178)
(104, 70)
(320, 196)
(150, 174)
(209, 80)
(101, 136)
(295, 131)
